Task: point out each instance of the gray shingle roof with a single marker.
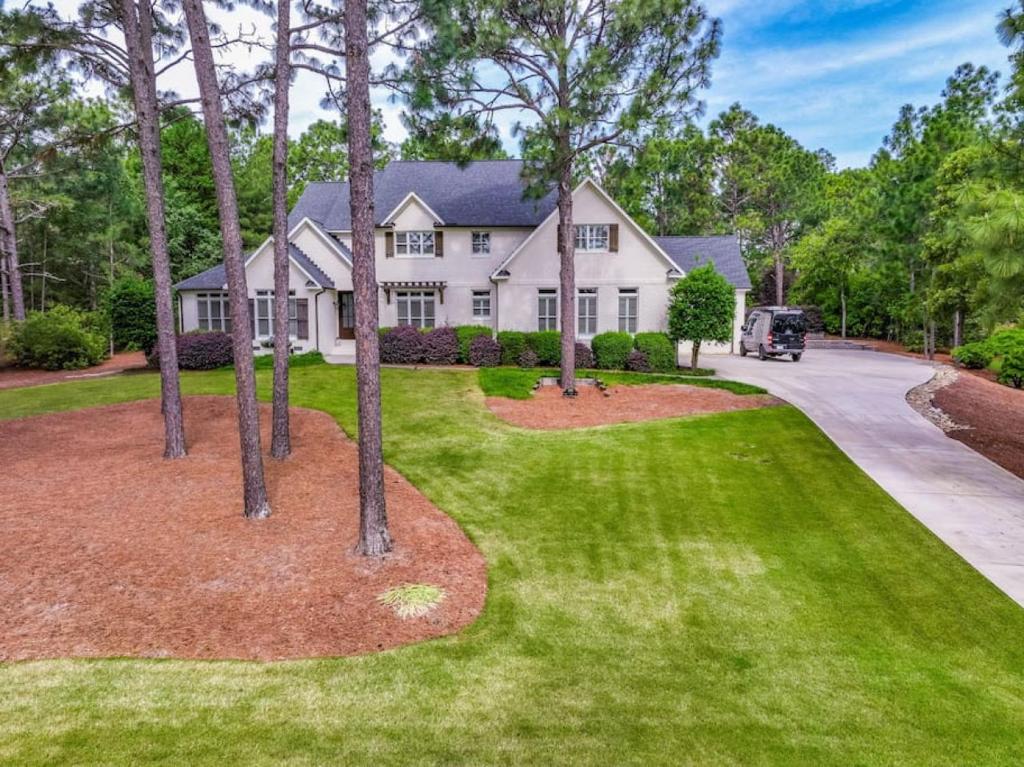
(483, 193)
(215, 277)
(723, 251)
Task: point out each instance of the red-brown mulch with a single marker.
(548, 409)
(110, 550)
(995, 415)
(13, 378)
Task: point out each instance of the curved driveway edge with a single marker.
(858, 398)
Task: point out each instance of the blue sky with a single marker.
(834, 73)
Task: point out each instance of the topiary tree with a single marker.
(701, 308)
(131, 306)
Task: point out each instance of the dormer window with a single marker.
(414, 244)
(592, 237)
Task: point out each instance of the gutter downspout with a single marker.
(316, 315)
(497, 308)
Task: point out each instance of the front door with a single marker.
(346, 315)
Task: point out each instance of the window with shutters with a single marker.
(265, 314)
(592, 237)
(586, 311)
(547, 309)
(416, 308)
(414, 244)
(628, 309)
(214, 312)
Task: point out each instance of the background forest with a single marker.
(921, 244)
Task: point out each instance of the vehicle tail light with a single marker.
(769, 338)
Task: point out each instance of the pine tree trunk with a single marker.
(780, 280)
(280, 439)
(567, 277)
(374, 538)
(842, 298)
(957, 328)
(257, 504)
(10, 245)
(137, 24)
(3, 284)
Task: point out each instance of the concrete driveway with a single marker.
(858, 399)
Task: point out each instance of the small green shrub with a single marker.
(1005, 341)
(547, 344)
(513, 343)
(660, 351)
(975, 355)
(1011, 371)
(528, 358)
(466, 334)
(59, 339)
(131, 309)
(611, 350)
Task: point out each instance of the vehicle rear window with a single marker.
(789, 323)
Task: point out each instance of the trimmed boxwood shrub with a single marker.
(403, 345)
(611, 350)
(484, 352)
(441, 346)
(59, 339)
(584, 356)
(204, 351)
(659, 349)
(547, 345)
(1011, 371)
(512, 343)
(637, 362)
(975, 355)
(466, 334)
(528, 358)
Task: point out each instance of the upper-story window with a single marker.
(414, 244)
(592, 237)
(481, 243)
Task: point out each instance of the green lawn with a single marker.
(726, 589)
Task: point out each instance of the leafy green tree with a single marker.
(454, 138)
(702, 306)
(131, 307)
(828, 257)
(321, 154)
(585, 74)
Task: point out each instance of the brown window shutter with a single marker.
(389, 244)
(438, 244)
(252, 320)
(302, 318)
(613, 238)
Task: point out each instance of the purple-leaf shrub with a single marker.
(484, 352)
(637, 362)
(584, 356)
(441, 346)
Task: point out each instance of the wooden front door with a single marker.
(346, 315)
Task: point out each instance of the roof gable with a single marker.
(723, 251)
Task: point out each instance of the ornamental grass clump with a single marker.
(413, 600)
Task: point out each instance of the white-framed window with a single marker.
(481, 304)
(592, 237)
(547, 309)
(265, 314)
(586, 311)
(481, 243)
(629, 301)
(416, 308)
(214, 312)
(414, 244)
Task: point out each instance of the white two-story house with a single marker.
(464, 246)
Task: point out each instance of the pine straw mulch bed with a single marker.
(993, 415)
(15, 377)
(548, 409)
(110, 550)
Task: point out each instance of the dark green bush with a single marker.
(547, 345)
(659, 349)
(611, 350)
(59, 339)
(975, 356)
(131, 308)
(513, 343)
(1011, 371)
(466, 334)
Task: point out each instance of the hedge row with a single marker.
(473, 344)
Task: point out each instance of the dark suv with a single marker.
(772, 331)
